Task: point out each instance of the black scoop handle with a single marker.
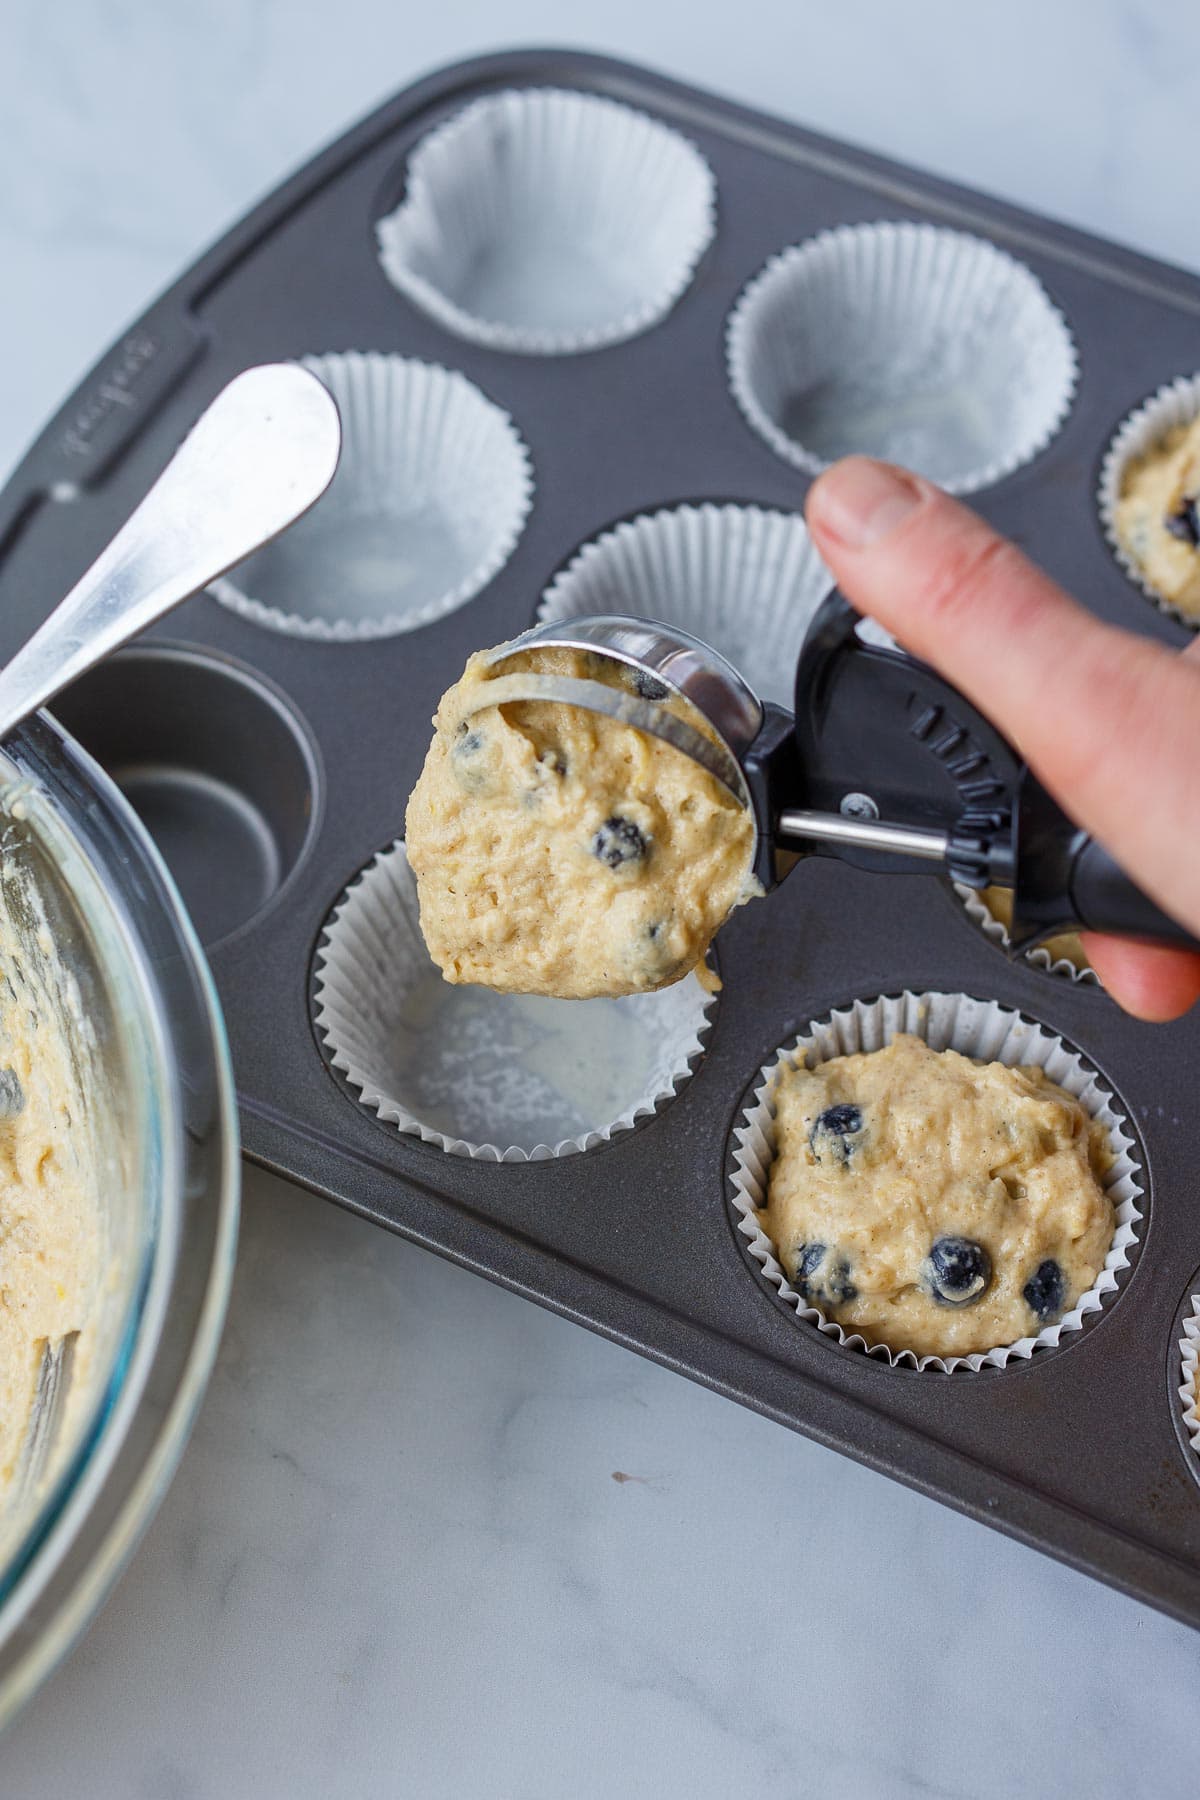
(1062, 878)
(874, 724)
(1104, 899)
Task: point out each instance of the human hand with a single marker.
(1109, 721)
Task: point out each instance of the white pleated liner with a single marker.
(418, 1048)
(1175, 403)
(990, 1033)
(996, 931)
(549, 222)
(428, 504)
(928, 347)
(744, 579)
(1189, 1355)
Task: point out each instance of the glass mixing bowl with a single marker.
(98, 935)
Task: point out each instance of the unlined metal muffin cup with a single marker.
(924, 346)
(996, 932)
(500, 1077)
(745, 579)
(549, 222)
(988, 1032)
(1175, 403)
(1189, 1364)
(429, 501)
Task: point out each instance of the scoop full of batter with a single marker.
(558, 851)
(935, 1204)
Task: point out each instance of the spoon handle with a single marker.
(258, 457)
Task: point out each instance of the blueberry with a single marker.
(1045, 1291)
(1184, 522)
(821, 1276)
(470, 768)
(809, 1258)
(959, 1271)
(12, 1095)
(619, 841)
(647, 686)
(829, 1139)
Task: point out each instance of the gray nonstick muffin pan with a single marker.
(270, 736)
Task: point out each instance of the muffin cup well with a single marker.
(744, 579)
(995, 930)
(549, 222)
(988, 1032)
(925, 346)
(504, 1077)
(1189, 1362)
(1175, 403)
(429, 500)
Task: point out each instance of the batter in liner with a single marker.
(51, 1252)
(1158, 516)
(560, 852)
(1066, 947)
(936, 1204)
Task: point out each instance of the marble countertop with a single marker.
(427, 1539)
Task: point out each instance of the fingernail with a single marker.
(859, 501)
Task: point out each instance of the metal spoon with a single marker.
(258, 457)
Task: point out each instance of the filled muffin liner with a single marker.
(995, 930)
(590, 202)
(946, 350)
(431, 495)
(1175, 403)
(745, 579)
(1189, 1363)
(988, 1032)
(391, 1024)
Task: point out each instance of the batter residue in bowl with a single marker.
(50, 1217)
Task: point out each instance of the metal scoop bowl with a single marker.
(664, 660)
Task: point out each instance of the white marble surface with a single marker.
(396, 1560)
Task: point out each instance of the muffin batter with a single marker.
(561, 852)
(932, 1203)
(50, 1237)
(1158, 516)
(1066, 947)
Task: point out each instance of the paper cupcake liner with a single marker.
(1175, 403)
(549, 222)
(503, 1077)
(996, 932)
(927, 347)
(990, 1033)
(428, 503)
(1189, 1364)
(745, 580)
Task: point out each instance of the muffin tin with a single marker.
(273, 764)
